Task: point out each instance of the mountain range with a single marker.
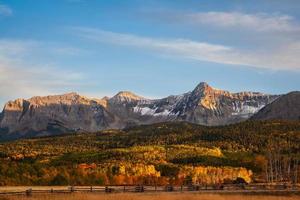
(71, 112)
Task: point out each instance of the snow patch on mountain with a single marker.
(151, 111)
(245, 110)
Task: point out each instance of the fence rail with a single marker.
(235, 188)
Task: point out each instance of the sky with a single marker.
(153, 48)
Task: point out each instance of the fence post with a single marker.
(139, 188)
(29, 192)
(108, 189)
(91, 188)
(181, 188)
(124, 188)
(169, 188)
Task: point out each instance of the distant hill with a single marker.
(286, 107)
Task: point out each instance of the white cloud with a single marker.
(253, 22)
(20, 78)
(16, 48)
(285, 57)
(5, 10)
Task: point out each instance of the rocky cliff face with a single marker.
(72, 113)
(54, 114)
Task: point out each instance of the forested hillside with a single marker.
(163, 153)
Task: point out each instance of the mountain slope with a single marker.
(285, 107)
(74, 113)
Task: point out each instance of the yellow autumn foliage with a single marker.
(214, 175)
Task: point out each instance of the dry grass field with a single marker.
(149, 196)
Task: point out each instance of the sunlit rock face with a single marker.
(73, 113)
(55, 114)
(209, 106)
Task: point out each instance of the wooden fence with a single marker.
(234, 188)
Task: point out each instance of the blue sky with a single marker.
(153, 48)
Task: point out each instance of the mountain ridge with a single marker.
(72, 112)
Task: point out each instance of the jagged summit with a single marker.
(202, 85)
(205, 88)
(14, 105)
(67, 98)
(126, 96)
(68, 95)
